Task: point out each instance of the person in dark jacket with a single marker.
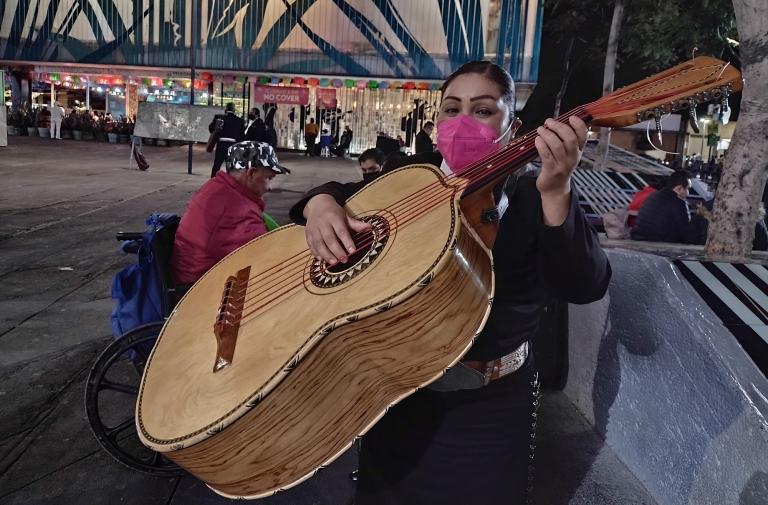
(424, 138)
(256, 130)
(472, 441)
(231, 133)
(371, 162)
(665, 216)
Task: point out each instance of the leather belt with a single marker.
(500, 367)
(227, 139)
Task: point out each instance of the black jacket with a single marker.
(256, 131)
(531, 261)
(664, 217)
(423, 143)
(233, 126)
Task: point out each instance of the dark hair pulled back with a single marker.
(493, 72)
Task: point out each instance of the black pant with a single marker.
(310, 141)
(221, 155)
(454, 448)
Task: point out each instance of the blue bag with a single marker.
(137, 289)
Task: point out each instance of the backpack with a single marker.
(138, 289)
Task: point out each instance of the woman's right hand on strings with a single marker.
(329, 229)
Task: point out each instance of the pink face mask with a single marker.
(463, 140)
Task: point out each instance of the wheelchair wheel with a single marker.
(110, 401)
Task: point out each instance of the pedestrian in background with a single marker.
(310, 136)
(232, 131)
(57, 114)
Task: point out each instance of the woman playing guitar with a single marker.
(469, 437)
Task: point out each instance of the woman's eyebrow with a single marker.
(481, 97)
(474, 98)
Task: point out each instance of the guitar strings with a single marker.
(409, 214)
(437, 190)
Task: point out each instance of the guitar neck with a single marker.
(509, 159)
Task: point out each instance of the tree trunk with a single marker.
(609, 73)
(737, 201)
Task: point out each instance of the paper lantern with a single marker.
(313, 81)
(146, 81)
(435, 86)
(361, 84)
(206, 76)
(383, 85)
(263, 79)
(397, 85)
(168, 83)
(324, 82)
(242, 79)
(298, 80)
(157, 82)
(337, 83)
(55, 77)
(118, 80)
(228, 79)
(373, 84)
(349, 83)
(275, 80)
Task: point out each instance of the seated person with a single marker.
(665, 217)
(638, 200)
(371, 162)
(226, 212)
(344, 143)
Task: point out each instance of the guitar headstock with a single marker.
(701, 80)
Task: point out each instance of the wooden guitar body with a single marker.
(319, 365)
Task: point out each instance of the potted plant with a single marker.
(76, 125)
(14, 122)
(31, 122)
(66, 125)
(110, 128)
(125, 131)
(44, 123)
(88, 125)
(98, 130)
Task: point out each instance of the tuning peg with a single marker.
(693, 120)
(725, 108)
(658, 113)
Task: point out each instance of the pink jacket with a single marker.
(222, 216)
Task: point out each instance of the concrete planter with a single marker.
(32, 131)
(66, 134)
(44, 132)
(669, 387)
(112, 137)
(14, 131)
(77, 134)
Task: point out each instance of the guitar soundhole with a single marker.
(369, 245)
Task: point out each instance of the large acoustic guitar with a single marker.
(274, 362)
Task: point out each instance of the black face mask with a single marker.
(251, 116)
(368, 177)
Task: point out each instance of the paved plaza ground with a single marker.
(61, 203)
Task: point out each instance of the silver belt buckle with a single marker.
(511, 362)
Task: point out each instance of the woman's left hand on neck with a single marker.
(559, 146)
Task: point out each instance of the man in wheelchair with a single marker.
(226, 212)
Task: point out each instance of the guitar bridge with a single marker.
(228, 318)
